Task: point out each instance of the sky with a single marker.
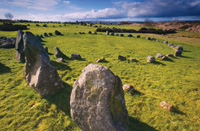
(101, 10)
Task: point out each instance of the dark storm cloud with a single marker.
(163, 8)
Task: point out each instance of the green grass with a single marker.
(175, 81)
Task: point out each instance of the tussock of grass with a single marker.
(175, 81)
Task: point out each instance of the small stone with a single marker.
(122, 35)
(161, 56)
(178, 53)
(167, 106)
(151, 59)
(137, 36)
(148, 38)
(76, 56)
(133, 60)
(102, 59)
(45, 34)
(89, 32)
(50, 34)
(130, 35)
(59, 60)
(165, 42)
(122, 58)
(128, 87)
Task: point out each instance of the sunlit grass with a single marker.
(175, 81)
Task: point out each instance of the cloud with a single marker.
(163, 8)
(35, 4)
(67, 2)
(4, 10)
(107, 13)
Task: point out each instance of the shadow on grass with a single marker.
(135, 92)
(187, 51)
(158, 63)
(137, 125)
(82, 59)
(4, 69)
(186, 57)
(50, 53)
(178, 112)
(60, 66)
(168, 59)
(62, 99)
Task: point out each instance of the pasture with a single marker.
(176, 80)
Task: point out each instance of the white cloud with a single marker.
(107, 13)
(35, 4)
(67, 2)
(4, 10)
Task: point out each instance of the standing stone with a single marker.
(38, 71)
(107, 32)
(150, 59)
(19, 46)
(112, 33)
(178, 47)
(97, 100)
(59, 54)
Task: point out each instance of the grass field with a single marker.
(176, 81)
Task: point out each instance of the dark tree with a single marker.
(9, 16)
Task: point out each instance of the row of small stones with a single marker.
(150, 59)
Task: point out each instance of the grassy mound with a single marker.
(175, 80)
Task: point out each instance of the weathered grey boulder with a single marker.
(151, 59)
(122, 58)
(76, 56)
(57, 32)
(97, 101)
(59, 54)
(161, 56)
(19, 46)
(38, 71)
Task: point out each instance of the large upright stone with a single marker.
(97, 101)
(19, 46)
(38, 71)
